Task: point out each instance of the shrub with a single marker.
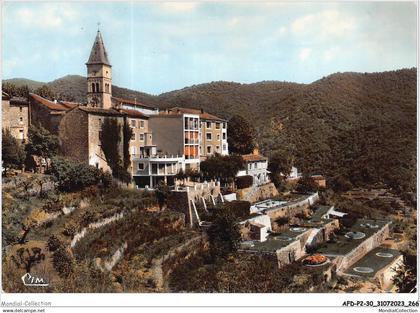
(63, 262)
(54, 243)
(69, 229)
(244, 181)
(73, 176)
(239, 209)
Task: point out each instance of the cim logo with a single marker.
(34, 281)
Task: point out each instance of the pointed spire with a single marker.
(98, 54)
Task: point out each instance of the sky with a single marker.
(156, 47)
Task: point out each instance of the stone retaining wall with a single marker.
(363, 248)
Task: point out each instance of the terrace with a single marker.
(349, 238)
(275, 241)
(372, 262)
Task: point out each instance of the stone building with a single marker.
(83, 143)
(99, 76)
(15, 116)
(46, 113)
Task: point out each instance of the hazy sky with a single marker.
(162, 46)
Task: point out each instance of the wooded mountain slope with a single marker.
(357, 128)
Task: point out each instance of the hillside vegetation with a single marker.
(356, 128)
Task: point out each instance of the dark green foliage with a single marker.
(54, 243)
(72, 176)
(245, 273)
(239, 209)
(26, 258)
(223, 234)
(240, 135)
(223, 167)
(110, 138)
(45, 92)
(63, 262)
(41, 142)
(406, 277)
(279, 165)
(127, 134)
(162, 192)
(13, 154)
(70, 229)
(358, 125)
(306, 184)
(244, 181)
(16, 91)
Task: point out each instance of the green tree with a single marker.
(72, 176)
(127, 135)
(45, 92)
(13, 154)
(41, 142)
(223, 234)
(279, 165)
(306, 184)
(110, 138)
(162, 192)
(223, 167)
(406, 276)
(240, 135)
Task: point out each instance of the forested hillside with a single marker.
(356, 128)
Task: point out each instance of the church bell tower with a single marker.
(99, 76)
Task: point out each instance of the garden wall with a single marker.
(369, 244)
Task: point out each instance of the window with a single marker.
(141, 137)
(97, 87)
(186, 122)
(20, 109)
(133, 123)
(208, 149)
(141, 124)
(93, 87)
(224, 147)
(218, 136)
(208, 124)
(107, 88)
(217, 125)
(224, 125)
(208, 136)
(20, 119)
(100, 122)
(141, 167)
(217, 148)
(133, 150)
(224, 136)
(133, 137)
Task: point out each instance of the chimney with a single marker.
(202, 110)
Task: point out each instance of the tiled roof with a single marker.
(132, 102)
(134, 113)
(69, 104)
(100, 111)
(203, 115)
(253, 157)
(98, 54)
(55, 106)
